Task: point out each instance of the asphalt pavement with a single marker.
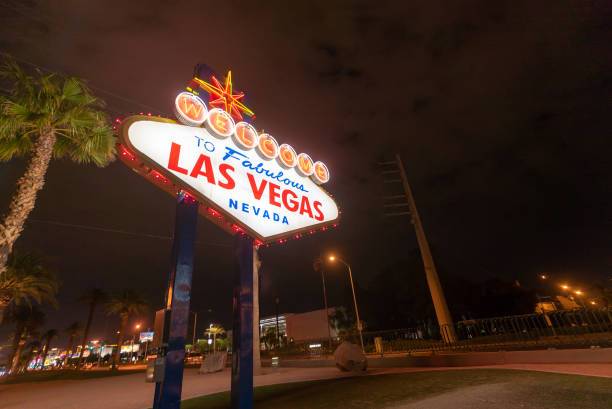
(132, 392)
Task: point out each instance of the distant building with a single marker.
(567, 303)
(547, 304)
(300, 327)
(270, 322)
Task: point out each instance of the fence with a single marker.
(558, 329)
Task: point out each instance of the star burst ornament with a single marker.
(222, 96)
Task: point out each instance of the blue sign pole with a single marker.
(242, 337)
(168, 391)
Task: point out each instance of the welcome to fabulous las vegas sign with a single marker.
(245, 181)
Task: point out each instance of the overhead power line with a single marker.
(99, 89)
(118, 231)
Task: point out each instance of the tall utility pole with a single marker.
(445, 321)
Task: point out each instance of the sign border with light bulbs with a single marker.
(221, 124)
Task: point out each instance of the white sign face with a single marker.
(255, 192)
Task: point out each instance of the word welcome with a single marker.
(192, 111)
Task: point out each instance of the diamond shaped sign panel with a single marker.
(235, 174)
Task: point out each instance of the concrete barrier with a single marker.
(213, 363)
(550, 356)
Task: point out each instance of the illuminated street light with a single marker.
(593, 303)
(565, 286)
(578, 292)
(137, 326)
(333, 258)
(543, 276)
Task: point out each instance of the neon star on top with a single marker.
(222, 96)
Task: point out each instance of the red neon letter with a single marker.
(257, 191)
(175, 151)
(291, 204)
(208, 171)
(305, 206)
(224, 169)
(274, 194)
(317, 207)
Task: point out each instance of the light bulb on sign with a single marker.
(190, 109)
(245, 135)
(220, 123)
(304, 164)
(287, 156)
(267, 146)
(321, 173)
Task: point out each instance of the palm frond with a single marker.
(26, 280)
(11, 147)
(62, 102)
(127, 301)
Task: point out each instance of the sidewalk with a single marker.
(131, 391)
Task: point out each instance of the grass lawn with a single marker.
(56, 375)
(488, 388)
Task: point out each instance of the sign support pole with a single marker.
(242, 336)
(168, 391)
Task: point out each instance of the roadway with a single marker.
(132, 392)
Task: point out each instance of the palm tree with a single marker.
(124, 303)
(48, 337)
(214, 330)
(32, 348)
(26, 280)
(73, 330)
(93, 297)
(43, 117)
(27, 321)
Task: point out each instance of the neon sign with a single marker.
(245, 181)
(190, 109)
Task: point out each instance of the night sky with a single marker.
(499, 109)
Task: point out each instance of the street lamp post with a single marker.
(318, 266)
(327, 311)
(137, 327)
(333, 258)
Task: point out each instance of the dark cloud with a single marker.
(500, 111)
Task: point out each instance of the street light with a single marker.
(565, 286)
(543, 276)
(136, 327)
(317, 266)
(333, 258)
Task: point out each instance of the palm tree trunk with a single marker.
(92, 307)
(17, 340)
(24, 199)
(3, 306)
(17, 356)
(117, 355)
(45, 352)
(69, 350)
